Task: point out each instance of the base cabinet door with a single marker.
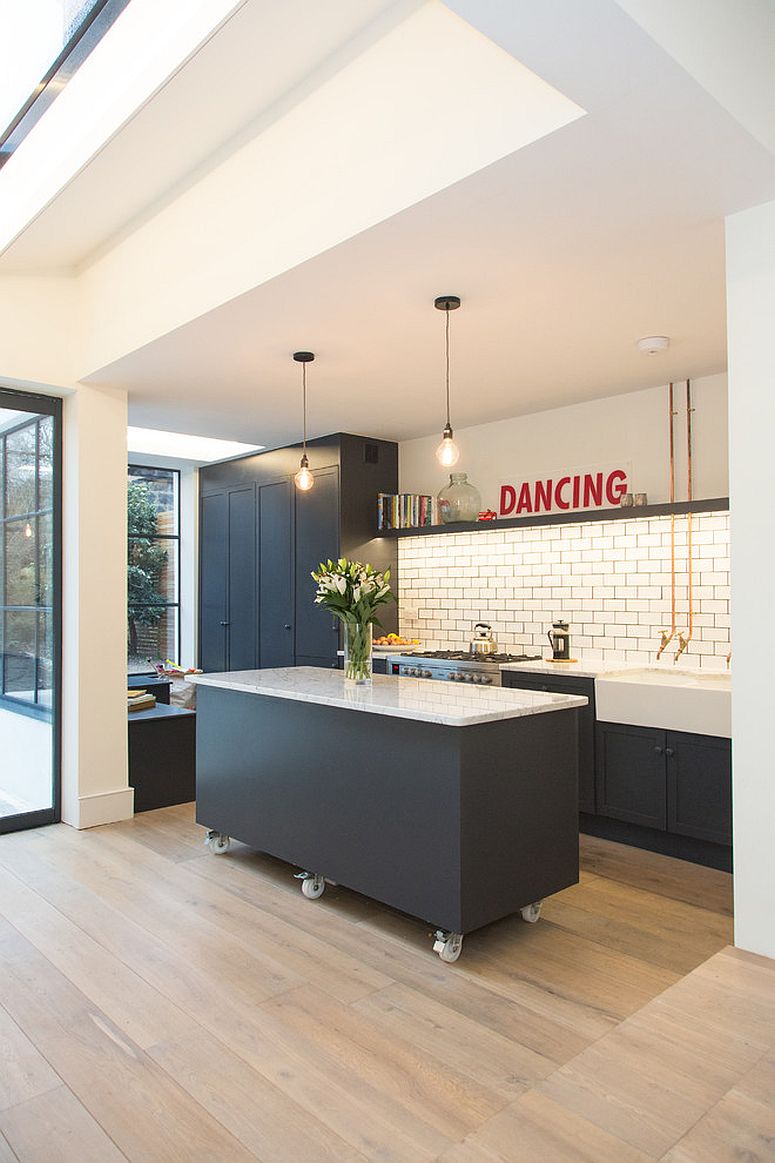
(631, 783)
(699, 786)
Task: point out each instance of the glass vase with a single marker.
(358, 665)
(459, 500)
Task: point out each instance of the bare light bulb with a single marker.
(28, 530)
(448, 453)
(304, 478)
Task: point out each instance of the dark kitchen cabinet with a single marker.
(631, 781)
(276, 611)
(260, 538)
(568, 685)
(699, 786)
(667, 780)
(227, 570)
(317, 539)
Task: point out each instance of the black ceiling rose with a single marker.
(304, 356)
(447, 303)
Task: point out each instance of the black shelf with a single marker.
(716, 505)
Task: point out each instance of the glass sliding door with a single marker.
(30, 609)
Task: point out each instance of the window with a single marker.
(153, 612)
(26, 559)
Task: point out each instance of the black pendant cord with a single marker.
(304, 405)
(446, 340)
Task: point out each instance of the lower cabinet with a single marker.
(668, 780)
(567, 685)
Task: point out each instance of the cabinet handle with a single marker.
(224, 623)
(287, 626)
(658, 750)
(668, 751)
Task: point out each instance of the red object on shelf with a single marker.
(487, 515)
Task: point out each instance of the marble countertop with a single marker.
(426, 700)
(579, 668)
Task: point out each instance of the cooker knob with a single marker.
(427, 673)
(486, 678)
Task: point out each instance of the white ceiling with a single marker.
(564, 254)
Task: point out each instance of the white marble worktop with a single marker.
(579, 667)
(426, 700)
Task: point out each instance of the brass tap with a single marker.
(682, 644)
(729, 659)
(665, 640)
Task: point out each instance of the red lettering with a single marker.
(543, 496)
(524, 499)
(508, 499)
(615, 486)
(561, 484)
(576, 490)
(593, 490)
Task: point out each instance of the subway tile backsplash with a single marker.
(609, 579)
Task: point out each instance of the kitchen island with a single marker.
(455, 804)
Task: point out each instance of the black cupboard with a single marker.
(671, 781)
(260, 537)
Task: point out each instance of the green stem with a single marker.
(357, 663)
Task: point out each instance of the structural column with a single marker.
(95, 786)
(751, 311)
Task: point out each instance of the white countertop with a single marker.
(580, 667)
(426, 700)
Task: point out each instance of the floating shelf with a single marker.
(716, 505)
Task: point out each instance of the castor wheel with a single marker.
(312, 884)
(531, 913)
(217, 842)
(448, 945)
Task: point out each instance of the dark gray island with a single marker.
(457, 805)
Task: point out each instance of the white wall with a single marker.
(750, 313)
(95, 786)
(628, 430)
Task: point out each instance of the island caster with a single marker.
(217, 842)
(531, 913)
(313, 884)
(448, 945)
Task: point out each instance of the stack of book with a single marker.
(140, 700)
(404, 510)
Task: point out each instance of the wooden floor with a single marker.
(160, 1003)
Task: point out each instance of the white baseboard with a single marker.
(103, 808)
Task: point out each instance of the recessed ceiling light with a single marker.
(181, 446)
(653, 344)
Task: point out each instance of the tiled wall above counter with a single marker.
(610, 579)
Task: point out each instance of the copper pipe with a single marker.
(667, 638)
(683, 641)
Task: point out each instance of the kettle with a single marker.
(483, 641)
(559, 639)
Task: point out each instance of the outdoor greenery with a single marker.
(146, 562)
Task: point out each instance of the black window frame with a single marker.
(161, 537)
(41, 405)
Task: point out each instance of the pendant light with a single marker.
(304, 479)
(447, 453)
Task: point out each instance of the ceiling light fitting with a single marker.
(653, 344)
(304, 479)
(447, 453)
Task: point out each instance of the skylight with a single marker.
(42, 43)
(181, 446)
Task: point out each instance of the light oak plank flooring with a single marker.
(160, 1004)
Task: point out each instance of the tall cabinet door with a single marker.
(275, 574)
(241, 615)
(317, 539)
(213, 548)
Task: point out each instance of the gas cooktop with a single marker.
(467, 656)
